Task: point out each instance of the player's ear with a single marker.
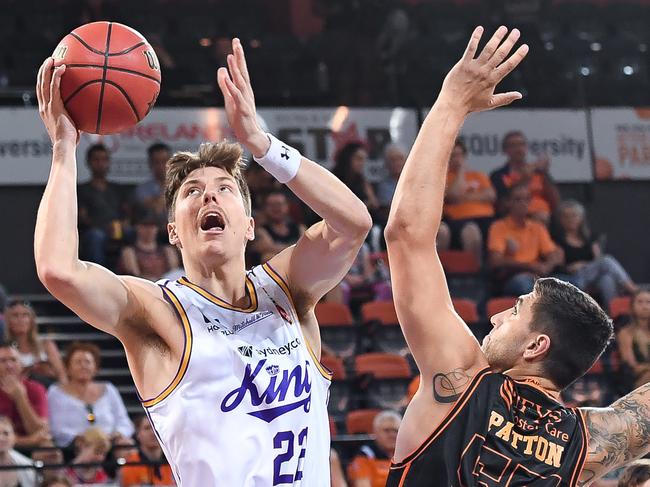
(250, 231)
(173, 236)
(537, 348)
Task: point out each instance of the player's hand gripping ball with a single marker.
(112, 76)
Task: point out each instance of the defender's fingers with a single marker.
(235, 72)
(472, 45)
(493, 43)
(505, 48)
(511, 63)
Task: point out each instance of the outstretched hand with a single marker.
(58, 123)
(239, 102)
(471, 82)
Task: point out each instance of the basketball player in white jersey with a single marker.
(226, 361)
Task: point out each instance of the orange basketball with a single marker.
(112, 76)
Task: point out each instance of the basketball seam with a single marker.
(74, 93)
(101, 53)
(86, 45)
(127, 50)
(101, 91)
(126, 95)
(113, 68)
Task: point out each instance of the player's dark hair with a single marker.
(510, 135)
(578, 328)
(158, 146)
(95, 148)
(226, 155)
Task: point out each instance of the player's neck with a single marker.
(534, 380)
(226, 281)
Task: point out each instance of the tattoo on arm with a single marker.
(448, 387)
(618, 434)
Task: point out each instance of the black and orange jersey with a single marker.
(500, 432)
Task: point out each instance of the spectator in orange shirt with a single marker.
(520, 248)
(371, 465)
(148, 451)
(469, 206)
(545, 195)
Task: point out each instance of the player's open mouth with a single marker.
(212, 222)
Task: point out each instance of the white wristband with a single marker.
(281, 160)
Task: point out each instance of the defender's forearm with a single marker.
(418, 200)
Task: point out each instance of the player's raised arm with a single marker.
(325, 252)
(437, 337)
(617, 434)
(95, 294)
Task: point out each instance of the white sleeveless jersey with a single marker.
(248, 405)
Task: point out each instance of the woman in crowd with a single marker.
(40, 358)
(349, 164)
(82, 402)
(634, 338)
(585, 264)
(22, 477)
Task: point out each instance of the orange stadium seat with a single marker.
(333, 314)
(466, 308)
(459, 262)
(381, 319)
(337, 328)
(497, 305)
(620, 306)
(382, 365)
(335, 365)
(360, 421)
(385, 378)
(340, 393)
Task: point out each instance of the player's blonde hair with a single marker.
(226, 155)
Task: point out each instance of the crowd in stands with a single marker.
(505, 229)
(396, 52)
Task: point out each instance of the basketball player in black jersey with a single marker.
(490, 415)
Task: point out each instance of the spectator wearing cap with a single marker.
(82, 402)
(517, 170)
(147, 258)
(40, 358)
(371, 465)
(22, 400)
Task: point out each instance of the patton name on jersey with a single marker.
(271, 392)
